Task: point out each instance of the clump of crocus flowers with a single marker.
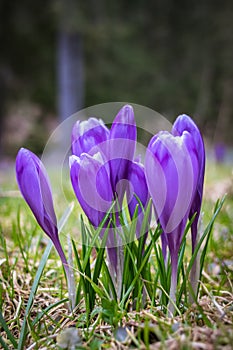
(106, 173)
(103, 169)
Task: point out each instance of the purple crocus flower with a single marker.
(91, 185)
(171, 168)
(117, 145)
(34, 185)
(102, 166)
(87, 135)
(181, 124)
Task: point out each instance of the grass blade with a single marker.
(110, 281)
(4, 346)
(47, 309)
(99, 260)
(206, 234)
(39, 273)
(8, 332)
(33, 293)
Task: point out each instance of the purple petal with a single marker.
(164, 245)
(91, 185)
(124, 125)
(88, 135)
(138, 187)
(112, 256)
(122, 144)
(171, 169)
(35, 188)
(158, 164)
(185, 123)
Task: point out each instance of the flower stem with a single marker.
(68, 272)
(173, 287)
(195, 271)
(194, 278)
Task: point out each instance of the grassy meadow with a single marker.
(41, 319)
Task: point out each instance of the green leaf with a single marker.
(110, 311)
(108, 279)
(100, 257)
(144, 261)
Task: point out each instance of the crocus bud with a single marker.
(106, 152)
(122, 145)
(92, 187)
(171, 168)
(34, 185)
(185, 123)
(87, 135)
(181, 124)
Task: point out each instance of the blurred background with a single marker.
(59, 56)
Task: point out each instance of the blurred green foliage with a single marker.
(173, 56)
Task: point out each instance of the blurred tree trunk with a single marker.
(225, 79)
(224, 120)
(70, 74)
(70, 68)
(2, 109)
(204, 94)
(70, 60)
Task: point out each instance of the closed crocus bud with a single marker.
(122, 145)
(171, 168)
(185, 123)
(34, 185)
(87, 135)
(92, 187)
(91, 184)
(109, 151)
(181, 124)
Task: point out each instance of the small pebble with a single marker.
(69, 338)
(121, 334)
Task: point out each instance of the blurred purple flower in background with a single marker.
(172, 171)
(219, 152)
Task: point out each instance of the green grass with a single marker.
(34, 307)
